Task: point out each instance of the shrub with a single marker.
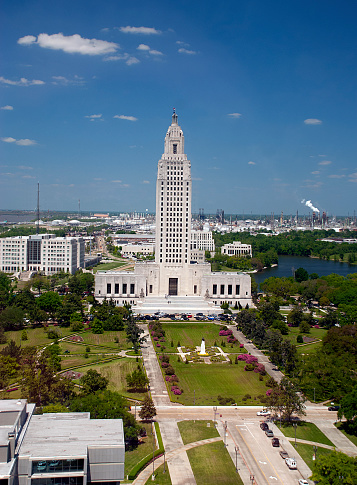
(176, 390)
(248, 367)
(269, 391)
(164, 365)
(299, 339)
(170, 371)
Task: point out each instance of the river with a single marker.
(287, 264)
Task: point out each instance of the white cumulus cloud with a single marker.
(139, 30)
(23, 82)
(63, 81)
(131, 61)
(336, 176)
(312, 121)
(316, 172)
(22, 142)
(143, 47)
(145, 181)
(72, 44)
(353, 177)
(124, 117)
(7, 108)
(325, 162)
(94, 117)
(182, 50)
(116, 181)
(234, 115)
(251, 163)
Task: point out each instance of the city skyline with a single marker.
(265, 95)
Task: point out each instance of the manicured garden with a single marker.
(161, 478)
(108, 266)
(202, 384)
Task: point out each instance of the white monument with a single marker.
(203, 347)
(191, 285)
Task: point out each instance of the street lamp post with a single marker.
(295, 425)
(153, 452)
(194, 397)
(315, 451)
(236, 449)
(252, 479)
(214, 415)
(164, 463)
(225, 433)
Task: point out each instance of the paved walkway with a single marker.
(158, 389)
(341, 442)
(170, 456)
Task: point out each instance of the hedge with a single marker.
(147, 459)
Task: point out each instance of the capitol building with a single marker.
(178, 279)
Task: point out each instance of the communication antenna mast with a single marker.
(79, 207)
(38, 208)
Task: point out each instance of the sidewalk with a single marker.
(341, 442)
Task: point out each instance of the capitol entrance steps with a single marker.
(175, 304)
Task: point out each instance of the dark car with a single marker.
(275, 442)
(269, 433)
(284, 454)
(264, 426)
(334, 408)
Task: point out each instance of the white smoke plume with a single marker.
(308, 204)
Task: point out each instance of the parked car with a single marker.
(275, 442)
(41, 466)
(302, 481)
(284, 454)
(334, 408)
(264, 426)
(263, 412)
(291, 463)
(269, 433)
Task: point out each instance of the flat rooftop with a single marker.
(69, 434)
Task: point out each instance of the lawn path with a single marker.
(341, 441)
(179, 465)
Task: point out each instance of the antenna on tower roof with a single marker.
(38, 208)
(174, 117)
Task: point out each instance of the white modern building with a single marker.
(41, 252)
(174, 272)
(236, 248)
(58, 448)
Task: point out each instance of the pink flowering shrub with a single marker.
(231, 339)
(241, 346)
(164, 364)
(167, 378)
(249, 359)
(269, 391)
(259, 368)
(176, 390)
(174, 378)
(162, 339)
(156, 339)
(225, 332)
(158, 345)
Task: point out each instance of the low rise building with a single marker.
(236, 248)
(44, 253)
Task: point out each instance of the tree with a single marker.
(49, 302)
(137, 380)
(295, 317)
(93, 381)
(301, 275)
(12, 318)
(348, 406)
(285, 400)
(334, 469)
(6, 292)
(133, 332)
(148, 410)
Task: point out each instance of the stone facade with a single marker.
(178, 269)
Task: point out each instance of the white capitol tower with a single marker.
(175, 281)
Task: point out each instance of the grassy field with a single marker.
(161, 478)
(192, 431)
(306, 452)
(351, 437)
(36, 337)
(108, 266)
(107, 339)
(209, 381)
(190, 334)
(144, 449)
(306, 431)
(308, 349)
(212, 465)
(116, 372)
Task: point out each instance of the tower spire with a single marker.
(174, 117)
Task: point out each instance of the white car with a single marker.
(291, 463)
(302, 481)
(263, 412)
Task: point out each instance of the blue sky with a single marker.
(265, 93)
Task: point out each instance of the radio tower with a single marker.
(38, 208)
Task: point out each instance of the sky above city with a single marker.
(265, 93)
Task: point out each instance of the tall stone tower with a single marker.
(173, 206)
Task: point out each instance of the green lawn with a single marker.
(80, 348)
(36, 337)
(190, 334)
(107, 339)
(344, 429)
(108, 266)
(209, 381)
(306, 431)
(116, 372)
(306, 452)
(308, 349)
(317, 333)
(161, 478)
(212, 465)
(144, 449)
(192, 431)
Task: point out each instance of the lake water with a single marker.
(287, 264)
